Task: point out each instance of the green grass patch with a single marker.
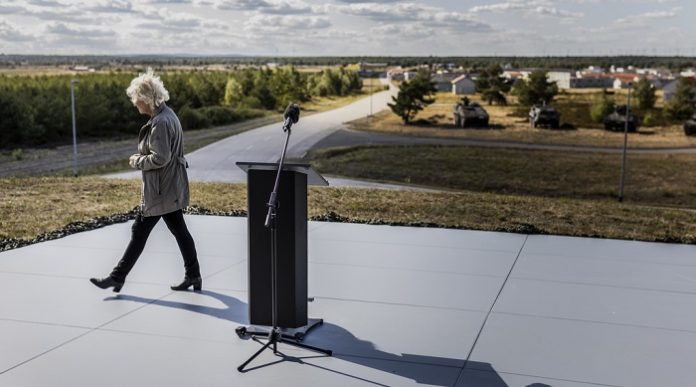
(657, 180)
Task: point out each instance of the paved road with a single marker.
(216, 162)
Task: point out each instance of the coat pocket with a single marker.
(152, 186)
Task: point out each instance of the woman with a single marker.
(165, 189)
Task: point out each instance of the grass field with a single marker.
(33, 206)
(508, 124)
(655, 180)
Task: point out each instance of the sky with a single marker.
(348, 27)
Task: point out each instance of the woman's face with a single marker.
(143, 108)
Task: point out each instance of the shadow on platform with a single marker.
(347, 347)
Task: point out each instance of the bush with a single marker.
(221, 115)
(192, 118)
(601, 107)
(649, 119)
(214, 116)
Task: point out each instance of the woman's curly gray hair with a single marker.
(148, 87)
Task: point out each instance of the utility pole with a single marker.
(74, 125)
(625, 145)
(371, 92)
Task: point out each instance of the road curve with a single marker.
(216, 162)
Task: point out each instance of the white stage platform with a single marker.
(402, 306)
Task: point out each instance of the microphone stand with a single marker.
(275, 336)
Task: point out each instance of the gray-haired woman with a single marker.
(165, 189)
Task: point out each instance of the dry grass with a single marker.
(507, 125)
(31, 206)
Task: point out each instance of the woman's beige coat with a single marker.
(161, 158)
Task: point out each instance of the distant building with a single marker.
(395, 74)
(81, 68)
(443, 81)
(408, 75)
(623, 80)
(463, 85)
(515, 74)
(670, 88)
(591, 82)
(562, 78)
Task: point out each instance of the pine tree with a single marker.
(645, 94)
(413, 97)
(681, 106)
(537, 90)
(492, 85)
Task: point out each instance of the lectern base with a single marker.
(297, 334)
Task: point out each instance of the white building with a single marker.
(561, 77)
(408, 75)
(463, 85)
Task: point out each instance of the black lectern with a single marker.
(291, 247)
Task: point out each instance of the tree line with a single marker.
(36, 110)
(469, 62)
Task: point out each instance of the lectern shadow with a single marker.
(347, 347)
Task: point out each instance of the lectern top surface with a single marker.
(313, 177)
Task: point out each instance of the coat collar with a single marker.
(158, 110)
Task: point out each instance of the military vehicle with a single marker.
(468, 114)
(616, 121)
(690, 126)
(544, 116)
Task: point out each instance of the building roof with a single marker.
(461, 78)
(444, 77)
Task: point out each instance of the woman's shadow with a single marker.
(346, 346)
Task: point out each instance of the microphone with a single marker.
(291, 116)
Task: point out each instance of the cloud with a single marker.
(112, 6)
(10, 33)
(283, 7)
(412, 12)
(79, 32)
(647, 17)
(390, 31)
(368, 1)
(274, 23)
(529, 7)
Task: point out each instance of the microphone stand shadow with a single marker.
(422, 369)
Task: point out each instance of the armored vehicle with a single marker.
(468, 114)
(616, 121)
(544, 116)
(690, 126)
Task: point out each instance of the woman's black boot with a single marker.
(106, 283)
(197, 283)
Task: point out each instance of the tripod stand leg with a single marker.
(305, 346)
(241, 367)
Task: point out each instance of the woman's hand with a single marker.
(133, 161)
